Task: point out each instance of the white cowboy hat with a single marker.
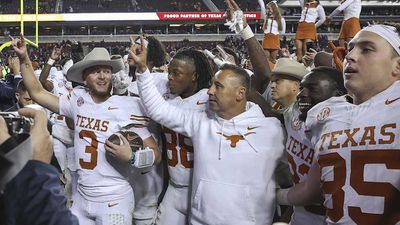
(97, 57)
(289, 67)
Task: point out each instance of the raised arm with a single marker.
(259, 60)
(180, 120)
(321, 16)
(35, 89)
(263, 9)
(55, 55)
(340, 8)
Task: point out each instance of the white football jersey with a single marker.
(101, 177)
(359, 157)
(301, 156)
(160, 80)
(180, 147)
(148, 182)
(59, 89)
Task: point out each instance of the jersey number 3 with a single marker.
(90, 149)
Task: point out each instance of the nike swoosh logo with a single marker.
(112, 108)
(143, 173)
(251, 128)
(112, 205)
(201, 103)
(388, 102)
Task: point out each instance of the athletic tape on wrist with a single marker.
(247, 33)
(281, 196)
(51, 61)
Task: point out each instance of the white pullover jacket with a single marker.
(234, 160)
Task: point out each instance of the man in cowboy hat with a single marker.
(285, 81)
(104, 194)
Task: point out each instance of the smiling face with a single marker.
(369, 66)
(182, 78)
(23, 98)
(314, 88)
(98, 80)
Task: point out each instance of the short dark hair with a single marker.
(156, 53)
(201, 63)
(333, 75)
(21, 87)
(239, 73)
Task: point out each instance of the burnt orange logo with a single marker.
(234, 139)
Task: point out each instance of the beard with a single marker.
(99, 94)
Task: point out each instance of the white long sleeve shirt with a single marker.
(311, 12)
(271, 26)
(234, 159)
(350, 8)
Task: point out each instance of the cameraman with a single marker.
(9, 85)
(22, 96)
(34, 195)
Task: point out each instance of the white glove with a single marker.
(236, 23)
(220, 60)
(121, 81)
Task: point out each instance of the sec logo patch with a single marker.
(80, 101)
(324, 114)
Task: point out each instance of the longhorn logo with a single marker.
(234, 139)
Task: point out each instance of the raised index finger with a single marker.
(132, 39)
(235, 6)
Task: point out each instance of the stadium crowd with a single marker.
(301, 131)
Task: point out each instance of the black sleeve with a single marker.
(35, 197)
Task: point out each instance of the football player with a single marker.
(233, 161)
(63, 135)
(189, 76)
(356, 139)
(104, 194)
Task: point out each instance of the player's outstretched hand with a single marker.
(56, 53)
(122, 151)
(235, 18)
(42, 142)
(138, 54)
(19, 47)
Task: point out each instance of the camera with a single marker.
(310, 45)
(16, 124)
